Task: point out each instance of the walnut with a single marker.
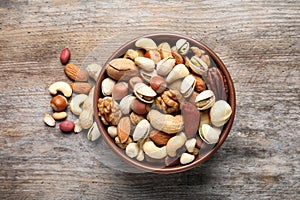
(109, 111)
(169, 101)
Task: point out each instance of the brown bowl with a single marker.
(201, 157)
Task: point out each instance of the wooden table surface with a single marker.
(257, 40)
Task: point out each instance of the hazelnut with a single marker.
(120, 90)
(139, 107)
(158, 84)
(59, 103)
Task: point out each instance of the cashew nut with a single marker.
(61, 86)
(190, 145)
(153, 151)
(186, 158)
(93, 70)
(94, 133)
(175, 143)
(76, 102)
(132, 150)
(165, 122)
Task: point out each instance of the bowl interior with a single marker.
(203, 155)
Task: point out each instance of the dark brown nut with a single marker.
(153, 55)
(172, 161)
(123, 129)
(109, 111)
(65, 56)
(139, 107)
(119, 91)
(158, 84)
(200, 84)
(133, 81)
(169, 101)
(215, 83)
(159, 138)
(191, 118)
(135, 118)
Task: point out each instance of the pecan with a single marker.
(215, 83)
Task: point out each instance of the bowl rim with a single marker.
(177, 168)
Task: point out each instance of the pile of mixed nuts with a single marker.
(80, 103)
(160, 103)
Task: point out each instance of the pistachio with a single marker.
(183, 46)
(209, 134)
(220, 113)
(205, 100)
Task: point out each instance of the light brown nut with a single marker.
(119, 90)
(81, 88)
(177, 57)
(123, 145)
(131, 54)
(121, 68)
(48, 119)
(59, 115)
(164, 50)
(206, 59)
(159, 138)
(200, 84)
(75, 73)
(153, 55)
(164, 122)
(135, 118)
(124, 129)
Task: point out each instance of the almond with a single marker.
(75, 73)
(124, 129)
(81, 88)
(159, 138)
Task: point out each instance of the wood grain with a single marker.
(257, 40)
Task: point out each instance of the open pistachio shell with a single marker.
(197, 65)
(188, 85)
(144, 93)
(209, 134)
(165, 66)
(205, 100)
(141, 130)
